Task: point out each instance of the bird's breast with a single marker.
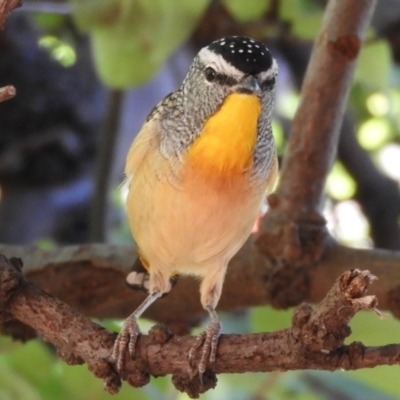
(201, 210)
(225, 145)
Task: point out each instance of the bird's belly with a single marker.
(199, 224)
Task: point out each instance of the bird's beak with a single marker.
(249, 85)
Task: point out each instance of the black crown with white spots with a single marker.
(247, 55)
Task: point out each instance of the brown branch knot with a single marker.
(325, 328)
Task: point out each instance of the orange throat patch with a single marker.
(225, 146)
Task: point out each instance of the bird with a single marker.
(198, 173)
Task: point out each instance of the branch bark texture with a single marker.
(315, 129)
(315, 340)
(294, 236)
(91, 278)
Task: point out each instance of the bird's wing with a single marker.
(270, 184)
(272, 176)
(145, 142)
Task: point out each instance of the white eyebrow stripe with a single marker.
(209, 58)
(271, 72)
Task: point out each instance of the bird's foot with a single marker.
(209, 340)
(126, 340)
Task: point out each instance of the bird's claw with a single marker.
(126, 338)
(209, 340)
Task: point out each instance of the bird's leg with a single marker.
(130, 332)
(209, 340)
(210, 292)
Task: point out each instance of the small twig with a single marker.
(7, 93)
(6, 6)
(101, 193)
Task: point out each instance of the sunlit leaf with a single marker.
(374, 133)
(50, 21)
(305, 21)
(132, 38)
(352, 228)
(246, 10)
(340, 185)
(378, 104)
(59, 49)
(287, 104)
(373, 65)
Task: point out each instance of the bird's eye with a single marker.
(210, 74)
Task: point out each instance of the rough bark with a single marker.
(314, 341)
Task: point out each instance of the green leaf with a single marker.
(50, 21)
(340, 185)
(132, 38)
(247, 10)
(374, 133)
(373, 67)
(305, 20)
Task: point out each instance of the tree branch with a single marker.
(378, 195)
(6, 6)
(7, 93)
(315, 129)
(294, 233)
(76, 338)
(99, 210)
(91, 278)
(315, 340)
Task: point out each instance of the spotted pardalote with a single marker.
(198, 173)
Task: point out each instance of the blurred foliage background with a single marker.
(87, 73)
